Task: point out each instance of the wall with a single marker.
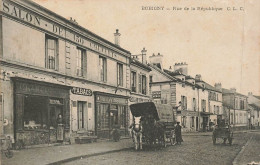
(23, 44)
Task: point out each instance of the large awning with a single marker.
(206, 113)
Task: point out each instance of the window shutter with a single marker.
(85, 60)
(19, 109)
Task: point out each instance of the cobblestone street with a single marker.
(194, 150)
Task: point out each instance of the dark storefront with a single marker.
(111, 112)
(37, 106)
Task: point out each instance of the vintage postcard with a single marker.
(130, 82)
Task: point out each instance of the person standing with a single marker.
(178, 133)
(60, 129)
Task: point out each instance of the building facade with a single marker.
(215, 104)
(236, 108)
(49, 66)
(254, 106)
(187, 95)
(139, 79)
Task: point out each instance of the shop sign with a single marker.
(156, 94)
(32, 18)
(81, 91)
(55, 101)
(108, 99)
(189, 113)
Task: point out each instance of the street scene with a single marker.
(129, 82)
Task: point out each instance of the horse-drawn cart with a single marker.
(153, 124)
(223, 131)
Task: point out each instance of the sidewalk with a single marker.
(57, 154)
(250, 152)
(210, 133)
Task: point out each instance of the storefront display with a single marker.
(37, 107)
(111, 112)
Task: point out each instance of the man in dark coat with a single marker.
(178, 133)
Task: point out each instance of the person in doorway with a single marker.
(60, 128)
(178, 133)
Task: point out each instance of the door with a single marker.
(54, 112)
(82, 115)
(197, 123)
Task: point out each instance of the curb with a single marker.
(235, 161)
(87, 156)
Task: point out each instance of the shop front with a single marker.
(188, 120)
(41, 112)
(111, 112)
(205, 120)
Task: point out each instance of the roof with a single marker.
(162, 72)
(210, 87)
(173, 73)
(138, 63)
(74, 25)
(258, 97)
(254, 106)
(228, 91)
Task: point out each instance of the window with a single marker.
(51, 53)
(151, 79)
(103, 68)
(144, 84)
(203, 105)
(80, 58)
(119, 74)
(140, 83)
(194, 104)
(184, 102)
(133, 81)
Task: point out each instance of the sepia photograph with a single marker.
(123, 82)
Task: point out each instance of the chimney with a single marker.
(144, 56)
(117, 37)
(181, 67)
(218, 86)
(233, 90)
(156, 60)
(170, 69)
(198, 77)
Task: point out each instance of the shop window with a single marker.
(51, 53)
(80, 60)
(36, 113)
(102, 117)
(103, 68)
(133, 81)
(119, 74)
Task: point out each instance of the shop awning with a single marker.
(206, 113)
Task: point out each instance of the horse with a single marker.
(137, 133)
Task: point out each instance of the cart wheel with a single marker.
(230, 141)
(9, 154)
(214, 140)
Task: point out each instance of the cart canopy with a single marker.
(161, 112)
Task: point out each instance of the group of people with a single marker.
(149, 123)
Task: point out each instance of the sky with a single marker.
(223, 46)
